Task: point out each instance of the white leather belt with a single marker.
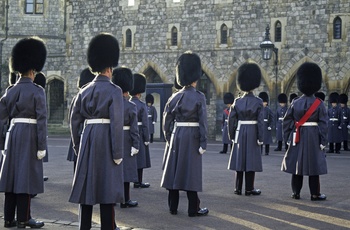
(23, 120)
(139, 123)
(126, 127)
(15, 121)
(97, 121)
(243, 123)
(333, 119)
(310, 124)
(187, 124)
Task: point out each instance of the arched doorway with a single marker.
(55, 101)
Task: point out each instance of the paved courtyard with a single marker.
(273, 209)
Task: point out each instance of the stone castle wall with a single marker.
(307, 35)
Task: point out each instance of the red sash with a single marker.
(306, 116)
(226, 111)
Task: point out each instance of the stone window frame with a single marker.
(345, 19)
(38, 7)
(132, 29)
(174, 36)
(172, 3)
(219, 34)
(278, 31)
(224, 34)
(283, 21)
(170, 38)
(128, 38)
(337, 28)
(126, 6)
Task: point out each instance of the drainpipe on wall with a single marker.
(3, 40)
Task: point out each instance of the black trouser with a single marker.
(345, 145)
(337, 147)
(249, 180)
(126, 191)
(224, 149)
(314, 184)
(107, 217)
(279, 145)
(140, 175)
(267, 149)
(19, 201)
(193, 201)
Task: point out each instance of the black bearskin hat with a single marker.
(139, 84)
(176, 85)
(103, 52)
(264, 96)
(343, 98)
(249, 77)
(85, 77)
(40, 79)
(149, 99)
(333, 97)
(123, 77)
(320, 95)
(188, 68)
(292, 97)
(12, 78)
(282, 98)
(309, 78)
(28, 54)
(228, 98)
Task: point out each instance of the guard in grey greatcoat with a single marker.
(23, 112)
(143, 157)
(306, 157)
(124, 78)
(246, 128)
(152, 115)
(268, 122)
(334, 124)
(281, 111)
(85, 77)
(99, 109)
(228, 100)
(345, 119)
(187, 140)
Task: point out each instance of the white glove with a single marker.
(134, 151)
(41, 154)
(146, 143)
(322, 146)
(288, 143)
(339, 127)
(348, 126)
(268, 128)
(3, 153)
(201, 151)
(118, 161)
(259, 143)
(153, 122)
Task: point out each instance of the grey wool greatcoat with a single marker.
(268, 122)
(183, 165)
(246, 153)
(21, 171)
(131, 139)
(281, 111)
(71, 154)
(305, 158)
(152, 117)
(334, 122)
(345, 121)
(97, 179)
(143, 157)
